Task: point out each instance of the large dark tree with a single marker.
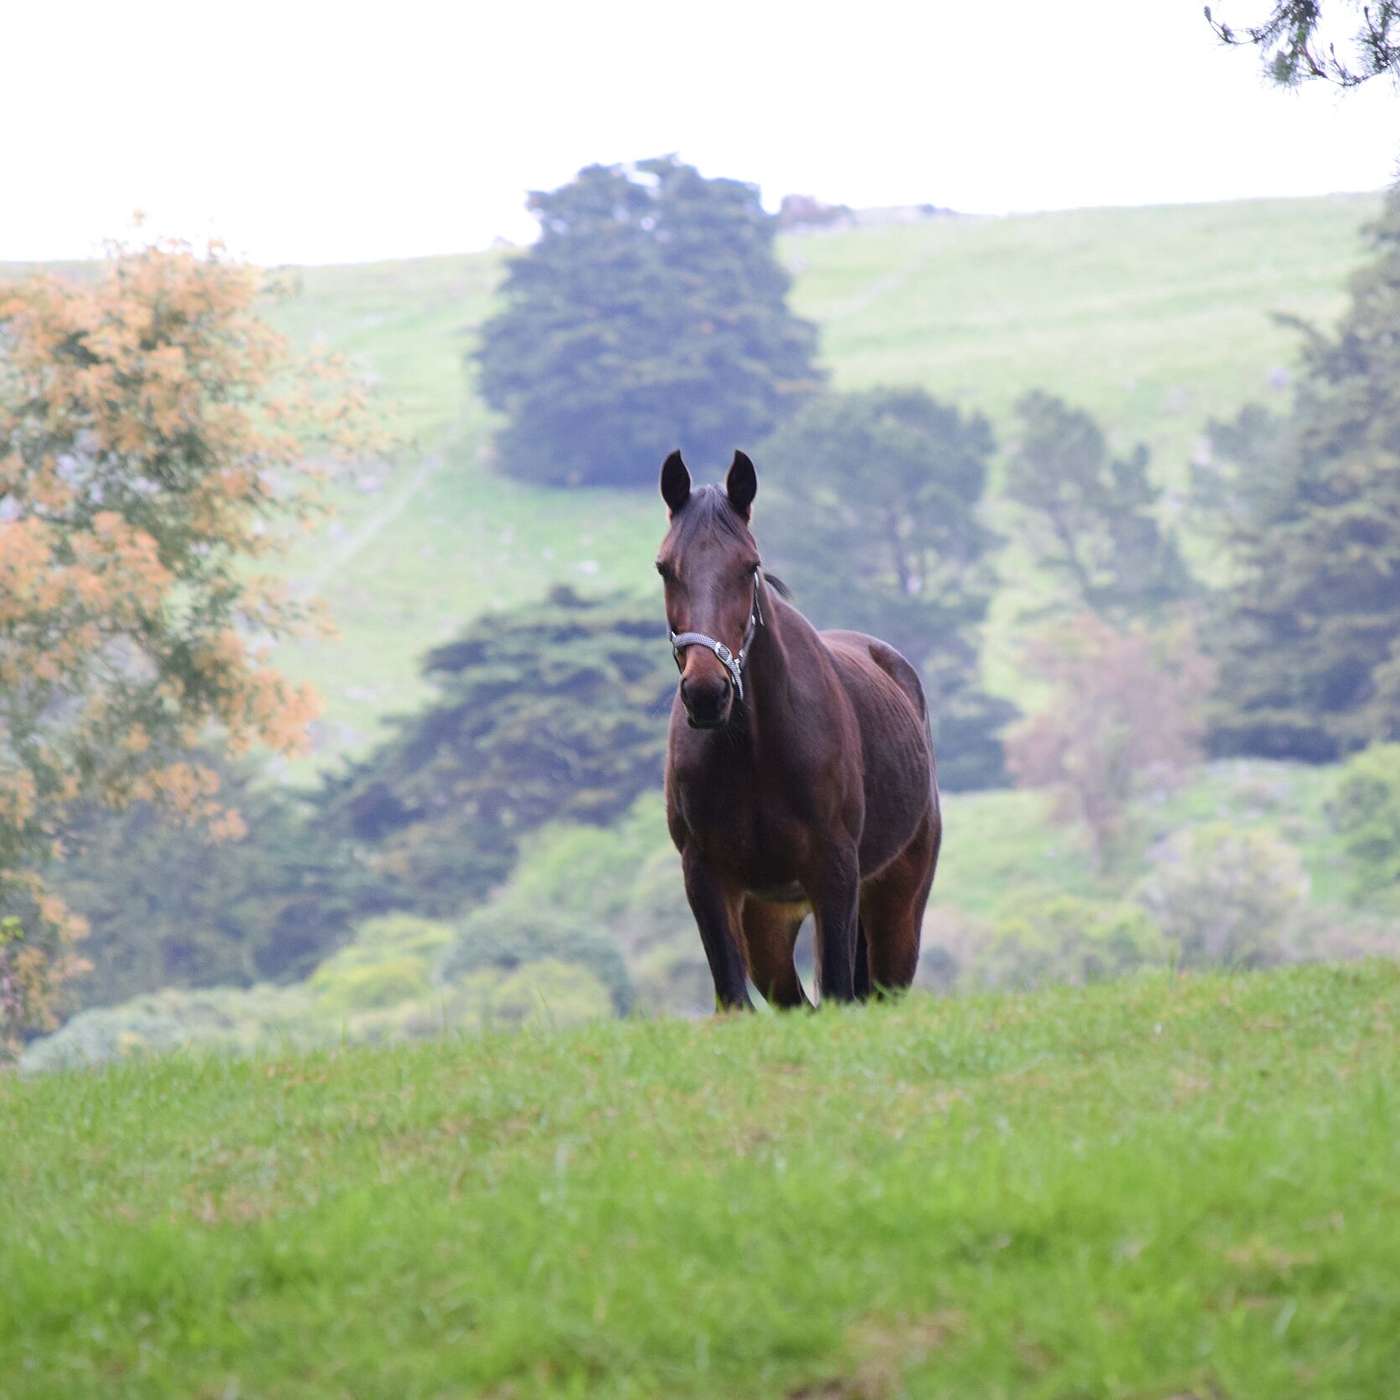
(652, 312)
(554, 712)
(1310, 633)
(873, 518)
(1089, 518)
(1295, 45)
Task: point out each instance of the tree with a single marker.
(1309, 627)
(152, 434)
(170, 907)
(1366, 812)
(874, 520)
(554, 712)
(1294, 48)
(1087, 518)
(1125, 713)
(651, 312)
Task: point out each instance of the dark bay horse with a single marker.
(800, 773)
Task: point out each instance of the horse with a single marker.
(800, 773)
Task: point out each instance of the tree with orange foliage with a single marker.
(154, 434)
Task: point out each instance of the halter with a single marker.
(732, 661)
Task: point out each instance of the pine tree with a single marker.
(1310, 639)
(1088, 518)
(651, 313)
(1291, 42)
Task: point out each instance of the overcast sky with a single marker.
(327, 132)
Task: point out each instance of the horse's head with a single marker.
(709, 565)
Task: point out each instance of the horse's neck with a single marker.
(784, 636)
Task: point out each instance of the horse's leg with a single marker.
(770, 932)
(862, 980)
(835, 894)
(892, 911)
(715, 908)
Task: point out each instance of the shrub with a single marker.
(548, 993)
(501, 938)
(1366, 812)
(1225, 897)
(1064, 938)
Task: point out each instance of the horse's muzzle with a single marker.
(708, 703)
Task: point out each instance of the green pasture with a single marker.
(1155, 1188)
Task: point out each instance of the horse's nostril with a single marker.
(704, 699)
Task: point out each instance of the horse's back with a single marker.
(868, 652)
(896, 748)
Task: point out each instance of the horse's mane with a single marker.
(708, 509)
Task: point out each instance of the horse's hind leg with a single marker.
(770, 933)
(892, 910)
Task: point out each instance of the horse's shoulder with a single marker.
(870, 654)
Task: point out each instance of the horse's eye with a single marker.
(663, 569)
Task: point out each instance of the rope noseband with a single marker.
(732, 661)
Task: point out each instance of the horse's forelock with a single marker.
(708, 510)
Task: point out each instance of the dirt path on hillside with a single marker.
(366, 534)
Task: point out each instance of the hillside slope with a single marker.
(1155, 319)
(1161, 1187)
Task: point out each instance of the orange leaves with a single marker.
(154, 435)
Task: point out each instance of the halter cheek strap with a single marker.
(732, 661)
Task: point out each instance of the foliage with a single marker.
(874, 519)
(1124, 717)
(1065, 939)
(554, 712)
(1089, 519)
(1366, 810)
(167, 906)
(651, 311)
(505, 937)
(622, 883)
(1293, 45)
(393, 959)
(31, 978)
(1309, 637)
(1154, 1187)
(388, 983)
(547, 993)
(1225, 897)
(152, 432)
(226, 1019)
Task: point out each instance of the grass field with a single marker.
(1152, 1189)
(1155, 319)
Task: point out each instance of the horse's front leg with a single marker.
(715, 908)
(835, 894)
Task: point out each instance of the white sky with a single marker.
(325, 132)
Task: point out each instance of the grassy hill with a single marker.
(1156, 1188)
(1155, 319)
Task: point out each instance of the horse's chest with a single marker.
(751, 836)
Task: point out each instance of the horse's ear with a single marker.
(741, 485)
(675, 482)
